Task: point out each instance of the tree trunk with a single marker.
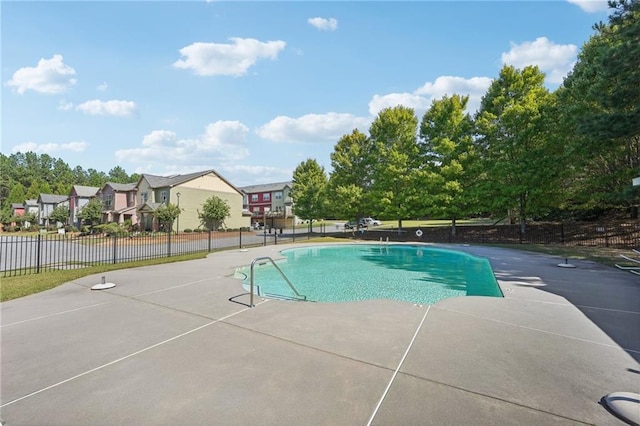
(453, 226)
(399, 227)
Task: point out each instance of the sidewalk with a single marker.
(176, 344)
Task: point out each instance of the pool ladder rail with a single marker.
(258, 259)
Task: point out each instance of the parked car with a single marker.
(369, 221)
(257, 225)
(350, 225)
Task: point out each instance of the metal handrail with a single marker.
(281, 273)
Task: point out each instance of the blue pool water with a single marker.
(343, 273)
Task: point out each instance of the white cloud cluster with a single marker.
(65, 106)
(232, 59)
(555, 60)
(103, 87)
(327, 127)
(324, 24)
(48, 148)
(222, 141)
(421, 98)
(113, 107)
(591, 6)
(50, 76)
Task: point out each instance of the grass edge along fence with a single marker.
(23, 255)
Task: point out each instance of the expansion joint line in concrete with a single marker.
(538, 330)
(148, 348)
(395, 373)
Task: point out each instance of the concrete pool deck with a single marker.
(176, 344)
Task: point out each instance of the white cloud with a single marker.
(591, 6)
(325, 24)
(113, 107)
(222, 141)
(48, 148)
(50, 76)
(102, 87)
(555, 60)
(159, 138)
(327, 127)
(421, 98)
(65, 106)
(390, 100)
(233, 59)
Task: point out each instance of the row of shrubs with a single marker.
(243, 229)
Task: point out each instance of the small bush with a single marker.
(198, 230)
(187, 230)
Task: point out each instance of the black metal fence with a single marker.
(625, 235)
(21, 255)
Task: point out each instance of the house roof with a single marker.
(124, 187)
(31, 203)
(17, 206)
(85, 191)
(52, 198)
(175, 180)
(267, 187)
(149, 207)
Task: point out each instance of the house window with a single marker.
(256, 209)
(108, 199)
(144, 197)
(278, 195)
(266, 197)
(163, 196)
(254, 198)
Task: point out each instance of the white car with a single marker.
(369, 221)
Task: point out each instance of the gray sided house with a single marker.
(118, 202)
(189, 192)
(78, 197)
(47, 203)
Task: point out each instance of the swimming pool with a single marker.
(344, 273)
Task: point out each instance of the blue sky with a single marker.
(252, 89)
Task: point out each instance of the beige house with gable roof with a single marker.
(189, 192)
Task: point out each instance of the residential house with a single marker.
(189, 192)
(31, 207)
(17, 209)
(119, 202)
(47, 204)
(79, 196)
(270, 204)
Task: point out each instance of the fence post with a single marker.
(169, 244)
(115, 240)
(240, 237)
(562, 233)
(38, 254)
(209, 242)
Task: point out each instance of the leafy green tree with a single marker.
(16, 194)
(351, 178)
(309, 191)
(62, 177)
(214, 212)
(512, 144)
(59, 214)
(91, 213)
(446, 134)
(398, 180)
(166, 214)
(118, 175)
(96, 178)
(599, 106)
